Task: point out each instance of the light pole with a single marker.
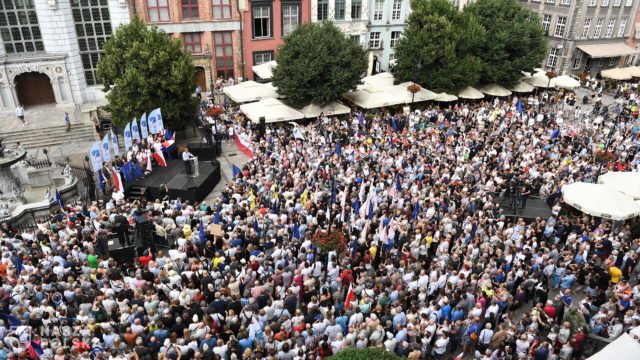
(416, 69)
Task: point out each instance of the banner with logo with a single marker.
(155, 121)
(135, 131)
(96, 158)
(128, 140)
(114, 143)
(104, 149)
(143, 126)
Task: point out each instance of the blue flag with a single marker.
(236, 170)
(59, 199)
(275, 207)
(137, 171)
(394, 124)
(356, 206)
(36, 347)
(296, 231)
(13, 321)
(519, 107)
(216, 219)
(127, 172)
(370, 215)
(96, 157)
(338, 149)
(361, 119)
(203, 239)
(100, 180)
(398, 185)
(256, 228)
(416, 211)
(392, 144)
(555, 133)
(18, 264)
(333, 194)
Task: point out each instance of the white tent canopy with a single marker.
(368, 97)
(470, 93)
(265, 70)
(379, 81)
(332, 108)
(494, 90)
(273, 110)
(565, 82)
(522, 87)
(248, 91)
(616, 74)
(422, 95)
(538, 79)
(444, 97)
(600, 200)
(625, 347)
(624, 181)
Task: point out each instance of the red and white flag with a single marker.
(351, 296)
(160, 159)
(118, 185)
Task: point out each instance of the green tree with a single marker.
(436, 49)
(365, 354)
(513, 42)
(142, 69)
(317, 64)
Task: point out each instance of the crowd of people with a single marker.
(432, 264)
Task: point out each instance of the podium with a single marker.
(195, 170)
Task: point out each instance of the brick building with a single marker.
(209, 29)
(265, 23)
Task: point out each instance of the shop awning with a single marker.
(265, 70)
(607, 50)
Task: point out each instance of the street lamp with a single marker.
(416, 69)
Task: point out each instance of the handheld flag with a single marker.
(96, 158)
(297, 133)
(160, 159)
(296, 231)
(256, 228)
(143, 126)
(58, 200)
(104, 149)
(370, 212)
(201, 236)
(114, 143)
(118, 185)
(351, 296)
(356, 206)
(236, 170)
(416, 211)
(135, 131)
(216, 219)
(128, 138)
(338, 149)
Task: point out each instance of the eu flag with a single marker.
(296, 231)
(416, 211)
(256, 228)
(216, 219)
(203, 239)
(236, 170)
(333, 194)
(370, 209)
(398, 185)
(59, 199)
(356, 206)
(338, 149)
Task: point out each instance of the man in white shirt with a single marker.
(485, 337)
(20, 114)
(440, 347)
(186, 156)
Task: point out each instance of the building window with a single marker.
(546, 22)
(577, 60)
(377, 10)
(551, 1)
(190, 10)
(396, 9)
(355, 38)
(612, 61)
(158, 10)
(221, 9)
(19, 26)
(617, 2)
(356, 9)
(585, 27)
(622, 27)
(395, 36)
(598, 31)
(560, 25)
(565, 2)
(374, 40)
(261, 57)
(192, 43)
(629, 3)
(224, 54)
(323, 10)
(553, 58)
(612, 24)
(261, 21)
(93, 28)
(605, 3)
(593, 2)
(290, 18)
(339, 9)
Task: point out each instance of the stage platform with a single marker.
(535, 207)
(175, 177)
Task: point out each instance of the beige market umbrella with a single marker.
(627, 182)
(600, 200)
(539, 80)
(522, 87)
(470, 93)
(565, 82)
(633, 71)
(444, 97)
(616, 74)
(494, 90)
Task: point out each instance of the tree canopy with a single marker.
(513, 40)
(142, 69)
(437, 49)
(364, 354)
(317, 64)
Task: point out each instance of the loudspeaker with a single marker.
(204, 152)
(261, 127)
(262, 120)
(123, 255)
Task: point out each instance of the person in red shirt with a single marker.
(578, 343)
(145, 258)
(550, 310)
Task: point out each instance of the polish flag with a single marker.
(351, 296)
(118, 185)
(160, 159)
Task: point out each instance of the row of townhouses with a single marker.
(50, 48)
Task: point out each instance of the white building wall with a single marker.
(348, 26)
(119, 13)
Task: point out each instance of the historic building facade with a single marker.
(387, 20)
(351, 16)
(209, 29)
(586, 36)
(50, 49)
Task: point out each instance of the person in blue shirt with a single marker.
(568, 280)
(445, 312)
(457, 314)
